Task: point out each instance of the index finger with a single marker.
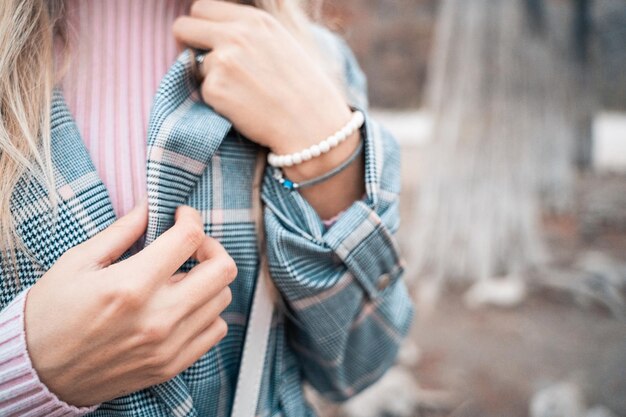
(209, 249)
(219, 11)
(168, 252)
(198, 33)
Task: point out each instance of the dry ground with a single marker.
(495, 359)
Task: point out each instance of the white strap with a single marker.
(254, 352)
(260, 321)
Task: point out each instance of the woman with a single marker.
(94, 322)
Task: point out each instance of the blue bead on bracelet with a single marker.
(291, 185)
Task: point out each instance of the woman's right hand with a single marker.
(97, 330)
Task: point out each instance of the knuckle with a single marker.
(169, 370)
(227, 294)
(225, 59)
(193, 233)
(127, 297)
(221, 328)
(155, 333)
(157, 360)
(209, 88)
(229, 267)
(160, 362)
(205, 91)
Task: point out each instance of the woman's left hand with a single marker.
(260, 77)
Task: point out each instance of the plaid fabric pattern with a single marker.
(344, 309)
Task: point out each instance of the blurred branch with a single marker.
(581, 29)
(535, 11)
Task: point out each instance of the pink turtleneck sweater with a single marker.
(124, 49)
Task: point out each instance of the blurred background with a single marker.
(511, 115)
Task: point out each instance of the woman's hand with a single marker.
(261, 78)
(96, 330)
(274, 91)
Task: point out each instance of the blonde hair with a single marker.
(29, 31)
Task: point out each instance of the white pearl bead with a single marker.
(314, 151)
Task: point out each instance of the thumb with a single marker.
(107, 246)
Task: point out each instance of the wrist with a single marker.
(325, 162)
(311, 127)
(50, 397)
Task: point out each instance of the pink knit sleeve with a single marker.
(21, 392)
(329, 222)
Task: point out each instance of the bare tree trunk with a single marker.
(504, 103)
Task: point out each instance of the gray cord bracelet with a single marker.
(291, 185)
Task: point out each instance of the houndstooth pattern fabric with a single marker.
(344, 308)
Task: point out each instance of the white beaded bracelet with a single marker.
(279, 161)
